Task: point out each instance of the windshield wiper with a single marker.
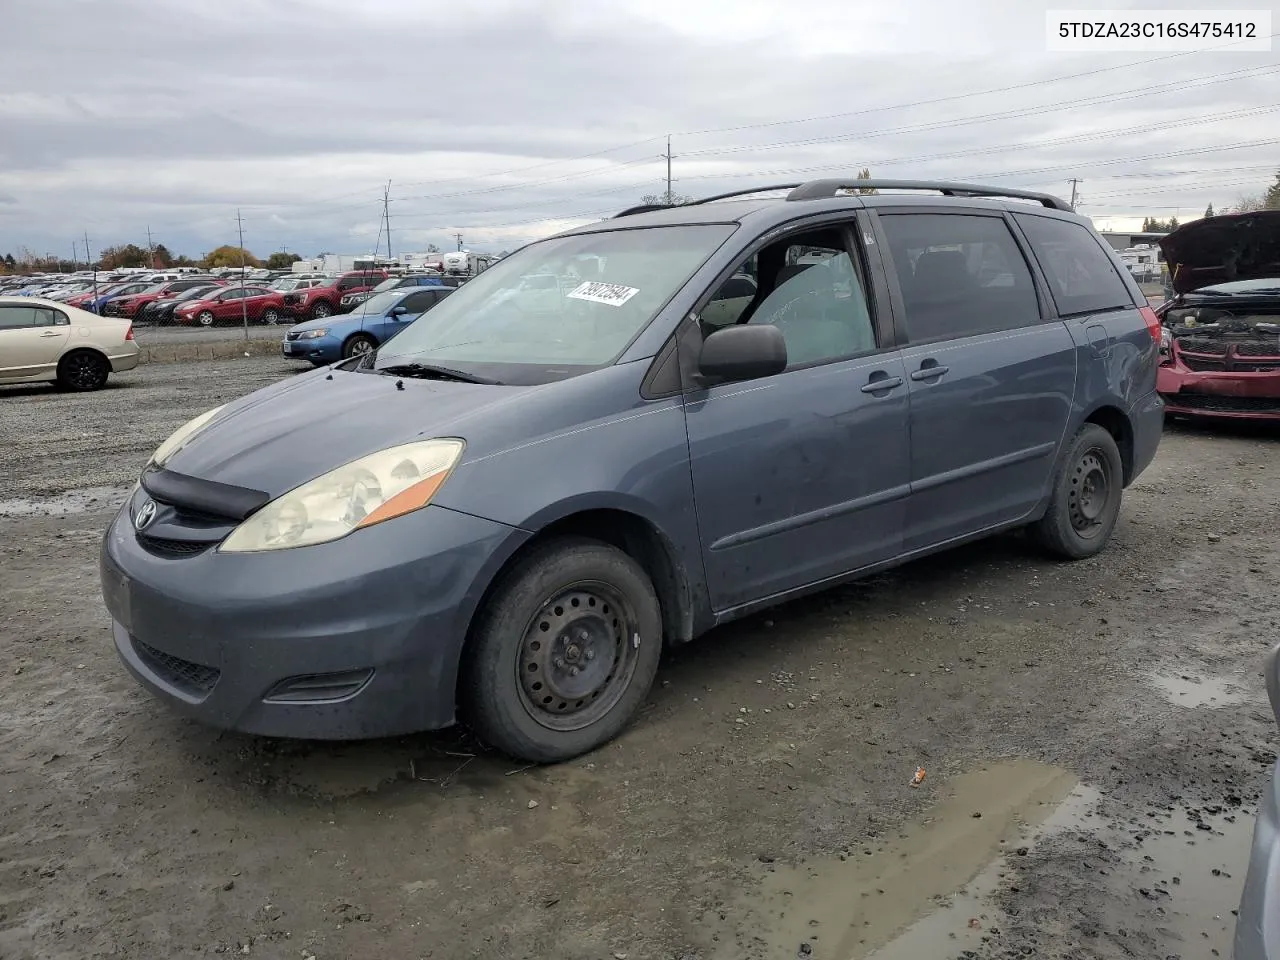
(429, 371)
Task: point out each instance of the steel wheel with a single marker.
(577, 657)
(83, 371)
(1091, 490)
(205, 318)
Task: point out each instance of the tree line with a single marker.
(157, 258)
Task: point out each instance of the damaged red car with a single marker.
(1220, 344)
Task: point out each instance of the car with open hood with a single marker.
(507, 511)
(1220, 349)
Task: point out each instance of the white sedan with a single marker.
(45, 340)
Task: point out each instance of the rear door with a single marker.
(32, 339)
(991, 374)
(802, 476)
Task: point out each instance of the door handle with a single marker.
(51, 333)
(881, 383)
(929, 370)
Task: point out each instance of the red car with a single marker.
(319, 302)
(232, 305)
(1220, 346)
(130, 305)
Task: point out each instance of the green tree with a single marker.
(1208, 211)
(129, 255)
(161, 255)
(1271, 199)
(230, 256)
(282, 261)
(432, 248)
(9, 262)
(865, 174)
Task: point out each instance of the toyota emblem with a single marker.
(146, 513)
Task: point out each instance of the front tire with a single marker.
(564, 653)
(358, 343)
(83, 371)
(1085, 502)
(321, 310)
(205, 318)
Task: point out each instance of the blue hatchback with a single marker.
(371, 324)
(507, 513)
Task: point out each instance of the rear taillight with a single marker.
(1152, 321)
(129, 335)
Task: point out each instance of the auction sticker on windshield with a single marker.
(614, 294)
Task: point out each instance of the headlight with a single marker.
(178, 439)
(378, 487)
(313, 334)
(1166, 339)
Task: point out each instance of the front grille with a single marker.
(1199, 363)
(1219, 404)
(193, 678)
(172, 548)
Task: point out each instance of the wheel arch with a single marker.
(627, 529)
(1113, 419)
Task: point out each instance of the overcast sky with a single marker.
(505, 120)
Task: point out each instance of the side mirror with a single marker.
(399, 311)
(743, 352)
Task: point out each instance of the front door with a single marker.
(991, 377)
(32, 339)
(802, 476)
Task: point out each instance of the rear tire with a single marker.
(1085, 502)
(82, 371)
(321, 310)
(358, 343)
(564, 652)
(205, 319)
(271, 315)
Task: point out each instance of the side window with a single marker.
(959, 274)
(234, 294)
(346, 283)
(419, 302)
(1082, 276)
(18, 318)
(808, 286)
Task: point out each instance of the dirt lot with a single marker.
(1106, 719)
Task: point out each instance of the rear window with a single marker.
(1082, 277)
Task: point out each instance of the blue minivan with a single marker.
(505, 514)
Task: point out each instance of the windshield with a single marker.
(285, 284)
(196, 293)
(388, 284)
(610, 286)
(380, 303)
(1261, 285)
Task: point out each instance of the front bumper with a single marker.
(1258, 925)
(323, 350)
(352, 639)
(1234, 395)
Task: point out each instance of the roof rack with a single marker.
(821, 189)
(650, 207)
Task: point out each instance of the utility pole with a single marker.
(88, 259)
(244, 307)
(668, 156)
(1074, 183)
(386, 214)
(151, 250)
(75, 264)
(459, 238)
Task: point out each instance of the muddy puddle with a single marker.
(71, 502)
(1195, 689)
(930, 889)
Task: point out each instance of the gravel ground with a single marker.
(149, 336)
(1105, 718)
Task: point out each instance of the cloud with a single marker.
(513, 118)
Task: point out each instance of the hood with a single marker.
(284, 435)
(1235, 246)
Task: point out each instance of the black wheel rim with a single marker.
(84, 371)
(1092, 486)
(577, 656)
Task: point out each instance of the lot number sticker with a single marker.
(614, 294)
